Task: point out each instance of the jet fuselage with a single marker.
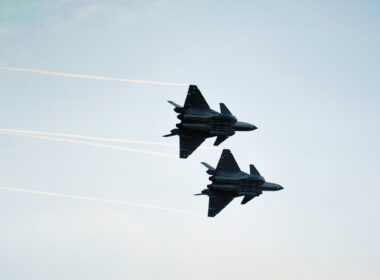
(240, 183)
(208, 124)
(211, 123)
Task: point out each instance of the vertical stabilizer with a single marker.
(224, 109)
(253, 170)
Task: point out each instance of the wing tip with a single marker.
(226, 151)
(192, 89)
(183, 154)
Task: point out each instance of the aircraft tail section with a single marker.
(208, 166)
(253, 170)
(224, 109)
(219, 140)
(210, 170)
(169, 135)
(173, 132)
(174, 104)
(178, 108)
(247, 198)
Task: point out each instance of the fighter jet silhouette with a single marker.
(199, 122)
(228, 182)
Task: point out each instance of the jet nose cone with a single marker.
(243, 126)
(252, 127)
(271, 187)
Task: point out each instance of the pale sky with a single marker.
(304, 72)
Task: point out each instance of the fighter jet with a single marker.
(199, 122)
(228, 182)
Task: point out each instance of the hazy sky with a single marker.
(306, 73)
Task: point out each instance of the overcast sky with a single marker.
(306, 73)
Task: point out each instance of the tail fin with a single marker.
(174, 104)
(178, 108)
(247, 198)
(210, 170)
(253, 170)
(208, 166)
(168, 135)
(204, 192)
(224, 109)
(219, 140)
(173, 132)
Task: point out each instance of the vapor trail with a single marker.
(90, 77)
(24, 131)
(101, 200)
(91, 144)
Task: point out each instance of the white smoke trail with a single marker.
(90, 77)
(101, 200)
(91, 144)
(24, 131)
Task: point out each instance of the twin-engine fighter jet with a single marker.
(228, 182)
(199, 122)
